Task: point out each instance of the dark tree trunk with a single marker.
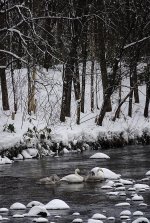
(102, 55)
(133, 84)
(84, 54)
(5, 102)
(130, 97)
(97, 90)
(120, 104)
(76, 81)
(108, 95)
(92, 86)
(147, 102)
(70, 66)
(67, 85)
(14, 89)
(135, 81)
(146, 113)
(119, 100)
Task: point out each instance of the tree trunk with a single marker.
(76, 82)
(14, 89)
(97, 90)
(109, 93)
(102, 55)
(92, 86)
(67, 86)
(29, 90)
(146, 113)
(120, 104)
(135, 81)
(119, 101)
(131, 95)
(146, 109)
(84, 53)
(5, 102)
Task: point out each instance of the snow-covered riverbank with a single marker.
(44, 127)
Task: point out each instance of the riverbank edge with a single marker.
(45, 145)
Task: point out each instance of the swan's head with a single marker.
(77, 171)
(55, 178)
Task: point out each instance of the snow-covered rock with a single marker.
(138, 213)
(26, 155)
(111, 219)
(148, 173)
(122, 204)
(126, 213)
(113, 193)
(38, 211)
(4, 210)
(57, 216)
(137, 197)
(17, 206)
(19, 157)
(5, 160)
(99, 216)
(141, 220)
(126, 182)
(94, 221)
(77, 220)
(42, 220)
(124, 217)
(121, 194)
(106, 187)
(131, 189)
(108, 174)
(120, 189)
(142, 205)
(34, 203)
(99, 156)
(32, 152)
(56, 204)
(141, 186)
(18, 216)
(76, 214)
(65, 151)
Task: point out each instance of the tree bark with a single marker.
(84, 54)
(120, 104)
(5, 102)
(92, 86)
(147, 102)
(102, 55)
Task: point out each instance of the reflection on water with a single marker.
(19, 183)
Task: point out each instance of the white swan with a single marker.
(96, 174)
(73, 178)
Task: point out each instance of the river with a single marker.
(18, 183)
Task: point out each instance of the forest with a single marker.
(111, 34)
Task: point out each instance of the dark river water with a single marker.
(18, 183)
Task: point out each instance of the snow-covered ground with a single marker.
(48, 95)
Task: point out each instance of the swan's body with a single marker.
(96, 174)
(73, 178)
(50, 180)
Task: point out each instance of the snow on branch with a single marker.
(19, 33)
(13, 55)
(134, 43)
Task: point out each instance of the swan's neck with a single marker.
(77, 172)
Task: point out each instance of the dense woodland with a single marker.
(72, 32)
